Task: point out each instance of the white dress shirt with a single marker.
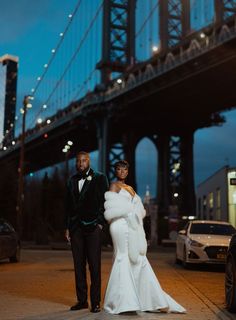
(81, 182)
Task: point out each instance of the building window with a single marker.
(218, 204)
(211, 204)
(211, 200)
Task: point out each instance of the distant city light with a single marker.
(64, 150)
(32, 90)
(39, 78)
(53, 51)
(46, 65)
(48, 121)
(22, 110)
(155, 48)
(4, 148)
(31, 174)
(176, 194)
(45, 135)
(119, 81)
(61, 34)
(13, 142)
(202, 35)
(70, 143)
(70, 16)
(44, 106)
(39, 120)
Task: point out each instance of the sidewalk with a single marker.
(198, 308)
(20, 307)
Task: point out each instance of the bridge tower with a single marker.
(175, 187)
(224, 9)
(118, 42)
(174, 19)
(118, 53)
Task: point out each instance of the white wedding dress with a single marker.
(132, 285)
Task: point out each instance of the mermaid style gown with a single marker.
(132, 285)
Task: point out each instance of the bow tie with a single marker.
(82, 176)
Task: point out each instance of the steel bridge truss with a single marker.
(224, 9)
(174, 22)
(118, 37)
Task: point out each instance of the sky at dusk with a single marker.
(30, 29)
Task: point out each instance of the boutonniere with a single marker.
(89, 178)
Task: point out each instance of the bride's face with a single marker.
(121, 173)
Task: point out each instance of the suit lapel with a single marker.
(76, 186)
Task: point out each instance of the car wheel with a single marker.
(230, 285)
(16, 257)
(185, 263)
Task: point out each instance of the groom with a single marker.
(84, 222)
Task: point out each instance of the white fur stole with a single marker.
(118, 206)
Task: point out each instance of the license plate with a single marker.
(221, 256)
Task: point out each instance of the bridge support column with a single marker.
(163, 190)
(188, 201)
(102, 136)
(175, 192)
(163, 186)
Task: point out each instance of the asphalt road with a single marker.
(41, 286)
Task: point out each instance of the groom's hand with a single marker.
(67, 235)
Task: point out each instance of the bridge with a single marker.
(183, 85)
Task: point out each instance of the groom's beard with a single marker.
(82, 171)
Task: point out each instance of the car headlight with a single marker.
(195, 243)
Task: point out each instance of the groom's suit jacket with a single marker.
(85, 209)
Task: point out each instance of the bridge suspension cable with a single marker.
(68, 66)
(72, 67)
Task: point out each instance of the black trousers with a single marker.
(86, 248)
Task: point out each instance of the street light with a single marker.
(20, 196)
(66, 151)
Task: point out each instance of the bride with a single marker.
(132, 285)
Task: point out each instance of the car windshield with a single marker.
(212, 228)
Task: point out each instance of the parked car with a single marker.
(203, 241)
(9, 242)
(230, 276)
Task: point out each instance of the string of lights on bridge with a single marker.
(46, 66)
(39, 120)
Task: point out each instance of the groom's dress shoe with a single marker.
(79, 306)
(95, 309)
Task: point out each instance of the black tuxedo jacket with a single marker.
(85, 209)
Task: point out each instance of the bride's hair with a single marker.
(121, 163)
